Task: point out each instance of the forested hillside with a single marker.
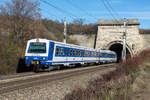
(20, 20)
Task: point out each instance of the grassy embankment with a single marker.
(116, 85)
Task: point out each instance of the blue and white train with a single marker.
(46, 54)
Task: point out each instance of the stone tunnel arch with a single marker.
(117, 47)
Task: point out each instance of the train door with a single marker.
(66, 55)
(99, 54)
(82, 55)
(51, 51)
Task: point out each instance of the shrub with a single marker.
(9, 57)
(114, 85)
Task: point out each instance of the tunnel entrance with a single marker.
(118, 49)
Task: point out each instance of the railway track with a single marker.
(4, 77)
(37, 79)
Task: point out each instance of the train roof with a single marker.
(108, 51)
(37, 40)
(61, 43)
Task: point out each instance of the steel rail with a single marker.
(21, 84)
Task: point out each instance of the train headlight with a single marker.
(27, 58)
(44, 58)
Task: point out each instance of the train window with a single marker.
(86, 53)
(76, 52)
(57, 51)
(79, 53)
(37, 47)
(71, 52)
(96, 54)
(106, 55)
(82, 54)
(101, 55)
(66, 52)
(93, 53)
(62, 51)
(113, 56)
(89, 53)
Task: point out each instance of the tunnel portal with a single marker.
(118, 49)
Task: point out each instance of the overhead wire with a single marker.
(59, 9)
(79, 8)
(106, 4)
(50, 14)
(108, 8)
(110, 5)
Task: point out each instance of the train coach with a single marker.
(45, 54)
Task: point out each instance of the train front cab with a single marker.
(39, 53)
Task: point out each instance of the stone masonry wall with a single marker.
(146, 43)
(108, 34)
(84, 40)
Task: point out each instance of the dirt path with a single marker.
(141, 86)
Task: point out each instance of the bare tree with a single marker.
(23, 16)
(79, 21)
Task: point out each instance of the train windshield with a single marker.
(37, 47)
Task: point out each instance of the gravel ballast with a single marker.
(55, 90)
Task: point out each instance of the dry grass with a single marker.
(114, 85)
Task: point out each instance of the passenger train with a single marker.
(47, 54)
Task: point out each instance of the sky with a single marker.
(93, 10)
